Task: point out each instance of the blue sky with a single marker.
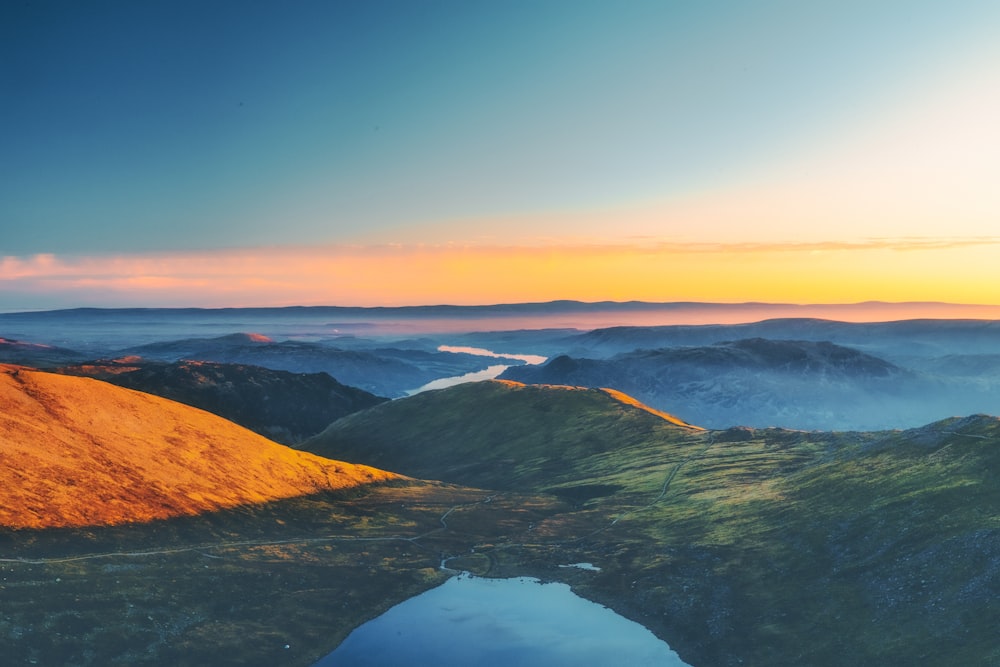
(151, 127)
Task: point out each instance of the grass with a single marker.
(765, 547)
(775, 547)
(233, 588)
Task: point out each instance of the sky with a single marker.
(419, 152)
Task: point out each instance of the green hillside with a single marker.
(766, 547)
(503, 435)
(739, 547)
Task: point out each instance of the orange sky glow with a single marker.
(956, 271)
(795, 153)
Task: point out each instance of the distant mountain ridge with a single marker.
(283, 406)
(903, 338)
(753, 382)
(383, 371)
(560, 305)
(36, 354)
(150, 324)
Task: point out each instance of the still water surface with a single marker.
(475, 622)
(476, 376)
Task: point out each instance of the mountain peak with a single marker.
(496, 434)
(628, 400)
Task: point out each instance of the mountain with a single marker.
(499, 434)
(756, 382)
(384, 372)
(736, 546)
(79, 452)
(280, 405)
(139, 531)
(36, 354)
(896, 341)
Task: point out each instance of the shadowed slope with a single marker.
(283, 406)
(35, 354)
(83, 452)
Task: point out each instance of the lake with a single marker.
(488, 373)
(477, 622)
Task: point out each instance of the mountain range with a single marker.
(384, 371)
(142, 531)
(171, 536)
(762, 382)
(717, 375)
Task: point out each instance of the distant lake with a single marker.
(476, 622)
(477, 376)
(487, 373)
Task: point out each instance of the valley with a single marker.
(736, 545)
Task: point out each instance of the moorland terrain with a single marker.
(137, 530)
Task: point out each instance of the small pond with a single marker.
(475, 622)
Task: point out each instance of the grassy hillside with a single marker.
(738, 547)
(80, 452)
(138, 531)
(500, 434)
(743, 546)
(269, 585)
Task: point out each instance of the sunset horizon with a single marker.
(402, 153)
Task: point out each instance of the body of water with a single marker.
(487, 373)
(476, 622)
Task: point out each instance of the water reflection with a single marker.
(487, 373)
(471, 621)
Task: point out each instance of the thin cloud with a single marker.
(271, 260)
(642, 268)
(899, 244)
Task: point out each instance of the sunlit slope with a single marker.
(498, 434)
(76, 452)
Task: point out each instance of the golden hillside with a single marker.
(78, 452)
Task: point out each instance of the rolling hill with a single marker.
(79, 452)
(139, 531)
(743, 546)
(497, 434)
(739, 546)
